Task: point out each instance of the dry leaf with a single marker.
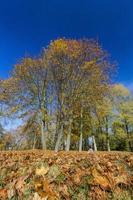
(42, 171)
(3, 194)
(11, 193)
(100, 180)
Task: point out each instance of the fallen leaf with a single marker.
(121, 179)
(42, 171)
(36, 196)
(11, 193)
(3, 194)
(100, 180)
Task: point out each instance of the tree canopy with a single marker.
(66, 95)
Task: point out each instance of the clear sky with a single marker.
(28, 25)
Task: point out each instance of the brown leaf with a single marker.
(20, 185)
(37, 197)
(3, 194)
(11, 193)
(43, 188)
(100, 180)
(121, 179)
(64, 190)
(42, 171)
(79, 174)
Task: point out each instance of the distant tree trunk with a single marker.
(43, 135)
(43, 109)
(60, 136)
(94, 143)
(34, 142)
(86, 144)
(81, 131)
(107, 132)
(81, 141)
(108, 145)
(128, 148)
(126, 127)
(57, 129)
(68, 140)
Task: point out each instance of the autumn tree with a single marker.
(25, 92)
(64, 89)
(123, 111)
(80, 73)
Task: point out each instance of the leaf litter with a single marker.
(45, 175)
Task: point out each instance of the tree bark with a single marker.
(68, 140)
(108, 145)
(107, 132)
(34, 142)
(43, 135)
(58, 142)
(43, 110)
(81, 131)
(126, 127)
(94, 143)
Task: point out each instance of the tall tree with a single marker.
(25, 92)
(73, 75)
(80, 72)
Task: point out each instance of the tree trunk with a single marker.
(126, 127)
(108, 145)
(107, 132)
(58, 142)
(94, 143)
(43, 135)
(80, 141)
(43, 114)
(81, 131)
(34, 142)
(57, 130)
(68, 140)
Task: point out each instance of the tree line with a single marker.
(67, 100)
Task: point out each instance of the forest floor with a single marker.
(45, 175)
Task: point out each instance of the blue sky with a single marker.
(28, 25)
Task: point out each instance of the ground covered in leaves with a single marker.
(45, 175)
